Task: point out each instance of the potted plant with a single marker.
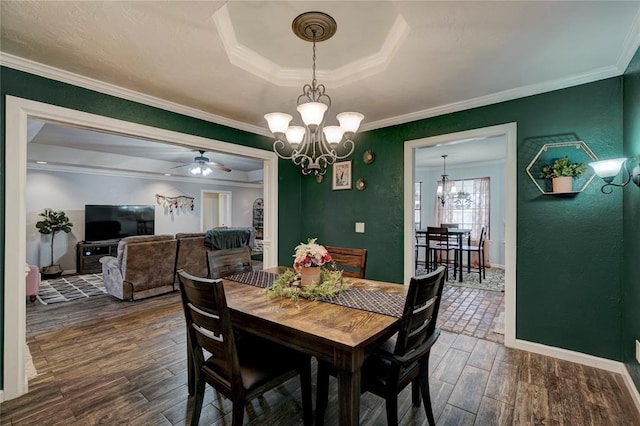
(52, 222)
(561, 172)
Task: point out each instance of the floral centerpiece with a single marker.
(309, 278)
(310, 255)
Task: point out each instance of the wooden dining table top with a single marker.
(326, 325)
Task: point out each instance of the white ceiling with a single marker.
(394, 61)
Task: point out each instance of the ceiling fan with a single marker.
(201, 165)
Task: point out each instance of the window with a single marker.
(469, 207)
(417, 205)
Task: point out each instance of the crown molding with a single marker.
(249, 60)
(139, 175)
(507, 95)
(57, 74)
(630, 45)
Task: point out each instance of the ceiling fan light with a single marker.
(350, 121)
(278, 122)
(196, 170)
(206, 171)
(312, 113)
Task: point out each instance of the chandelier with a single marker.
(313, 146)
(447, 191)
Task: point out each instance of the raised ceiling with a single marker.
(447, 55)
(394, 61)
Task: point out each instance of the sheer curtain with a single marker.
(470, 209)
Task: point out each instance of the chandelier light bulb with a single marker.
(333, 134)
(196, 170)
(295, 134)
(278, 122)
(312, 113)
(350, 121)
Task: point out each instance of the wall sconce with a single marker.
(609, 169)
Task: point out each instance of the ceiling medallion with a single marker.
(315, 146)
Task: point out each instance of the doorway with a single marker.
(509, 132)
(18, 112)
(215, 210)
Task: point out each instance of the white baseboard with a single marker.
(632, 387)
(584, 359)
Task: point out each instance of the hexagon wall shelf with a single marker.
(578, 152)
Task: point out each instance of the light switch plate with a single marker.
(638, 351)
(360, 227)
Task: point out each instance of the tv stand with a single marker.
(88, 254)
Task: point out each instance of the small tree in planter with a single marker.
(561, 172)
(51, 223)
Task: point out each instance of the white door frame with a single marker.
(509, 132)
(18, 111)
(224, 207)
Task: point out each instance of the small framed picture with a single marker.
(341, 175)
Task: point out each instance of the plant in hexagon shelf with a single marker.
(561, 172)
(52, 222)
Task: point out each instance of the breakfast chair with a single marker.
(353, 262)
(440, 249)
(402, 359)
(222, 263)
(239, 369)
(479, 250)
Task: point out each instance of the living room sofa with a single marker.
(193, 247)
(144, 267)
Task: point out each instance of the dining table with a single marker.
(459, 233)
(331, 332)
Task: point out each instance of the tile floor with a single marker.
(472, 312)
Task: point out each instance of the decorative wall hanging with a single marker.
(341, 175)
(368, 157)
(560, 159)
(175, 203)
(361, 184)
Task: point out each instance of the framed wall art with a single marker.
(341, 175)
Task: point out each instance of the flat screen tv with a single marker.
(102, 222)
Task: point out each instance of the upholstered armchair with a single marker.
(144, 267)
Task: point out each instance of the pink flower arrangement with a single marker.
(310, 254)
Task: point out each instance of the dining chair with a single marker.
(421, 243)
(440, 249)
(353, 262)
(402, 359)
(222, 263)
(479, 250)
(239, 369)
(453, 239)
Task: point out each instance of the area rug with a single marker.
(72, 287)
(494, 280)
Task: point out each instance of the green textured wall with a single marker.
(28, 86)
(568, 261)
(630, 274)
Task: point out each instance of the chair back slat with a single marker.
(420, 313)
(353, 262)
(438, 235)
(222, 263)
(209, 326)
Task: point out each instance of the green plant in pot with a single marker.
(53, 222)
(561, 172)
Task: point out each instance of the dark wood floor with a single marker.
(101, 361)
